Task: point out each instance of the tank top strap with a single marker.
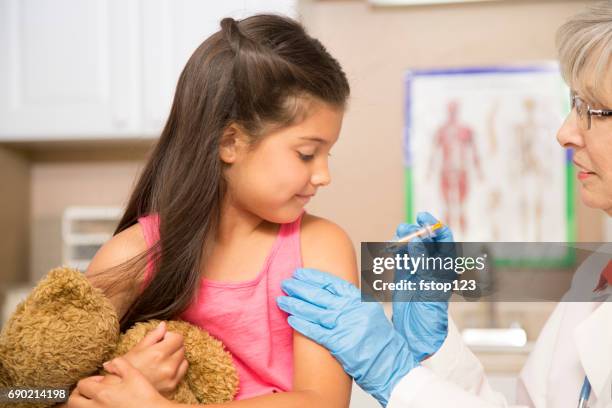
(290, 251)
(150, 229)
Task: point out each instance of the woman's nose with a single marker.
(569, 134)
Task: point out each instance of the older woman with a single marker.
(572, 357)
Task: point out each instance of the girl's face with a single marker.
(592, 149)
(275, 179)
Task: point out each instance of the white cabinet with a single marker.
(68, 68)
(101, 68)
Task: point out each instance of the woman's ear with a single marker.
(232, 143)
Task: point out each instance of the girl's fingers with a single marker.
(88, 387)
(123, 368)
(177, 357)
(154, 336)
(182, 370)
(109, 367)
(171, 343)
(79, 401)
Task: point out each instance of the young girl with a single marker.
(218, 215)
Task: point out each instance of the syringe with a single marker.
(427, 231)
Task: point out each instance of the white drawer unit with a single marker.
(101, 69)
(84, 231)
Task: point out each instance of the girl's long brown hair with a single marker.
(253, 73)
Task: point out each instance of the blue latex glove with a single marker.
(329, 310)
(423, 323)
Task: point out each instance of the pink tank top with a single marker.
(244, 315)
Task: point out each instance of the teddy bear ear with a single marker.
(60, 333)
(67, 283)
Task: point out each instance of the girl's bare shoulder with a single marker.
(326, 246)
(122, 247)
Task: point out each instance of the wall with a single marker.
(14, 216)
(62, 175)
(375, 46)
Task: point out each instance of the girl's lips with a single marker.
(303, 199)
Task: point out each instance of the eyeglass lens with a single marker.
(582, 109)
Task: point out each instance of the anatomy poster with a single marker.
(480, 152)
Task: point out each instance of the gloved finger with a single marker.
(307, 311)
(416, 248)
(401, 231)
(329, 282)
(443, 234)
(313, 331)
(424, 270)
(311, 294)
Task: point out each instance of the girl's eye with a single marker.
(306, 157)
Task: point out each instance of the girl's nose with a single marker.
(569, 134)
(321, 177)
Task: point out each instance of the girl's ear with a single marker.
(232, 143)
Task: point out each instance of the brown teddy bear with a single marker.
(66, 329)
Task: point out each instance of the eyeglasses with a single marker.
(585, 112)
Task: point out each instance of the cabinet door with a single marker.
(172, 30)
(69, 69)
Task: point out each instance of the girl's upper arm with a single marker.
(325, 246)
(119, 249)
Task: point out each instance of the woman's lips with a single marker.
(583, 173)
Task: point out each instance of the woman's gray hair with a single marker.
(585, 41)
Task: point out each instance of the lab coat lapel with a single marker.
(534, 375)
(593, 339)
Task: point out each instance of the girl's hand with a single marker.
(75, 395)
(160, 357)
(128, 388)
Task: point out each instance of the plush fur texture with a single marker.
(66, 329)
(211, 377)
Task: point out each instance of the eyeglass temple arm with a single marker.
(600, 112)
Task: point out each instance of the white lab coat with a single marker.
(576, 340)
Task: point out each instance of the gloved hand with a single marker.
(421, 321)
(329, 310)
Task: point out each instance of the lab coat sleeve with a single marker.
(421, 387)
(453, 376)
